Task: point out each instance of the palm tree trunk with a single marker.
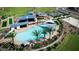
(37, 38)
(13, 40)
(50, 35)
(44, 35)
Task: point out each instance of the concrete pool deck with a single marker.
(21, 30)
(18, 31)
(25, 28)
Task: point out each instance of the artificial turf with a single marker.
(10, 21)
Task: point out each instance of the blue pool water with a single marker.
(28, 34)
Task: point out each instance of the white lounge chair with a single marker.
(18, 27)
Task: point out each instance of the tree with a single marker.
(44, 32)
(36, 34)
(12, 35)
(50, 31)
(49, 48)
(37, 45)
(55, 37)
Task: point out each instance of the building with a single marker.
(41, 15)
(27, 18)
(73, 11)
(50, 24)
(24, 21)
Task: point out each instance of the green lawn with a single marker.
(45, 9)
(2, 30)
(19, 11)
(71, 43)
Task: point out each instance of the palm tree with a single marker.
(44, 32)
(50, 31)
(36, 34)
(12, 35)
(55, 37)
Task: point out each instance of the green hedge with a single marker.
(4, 24)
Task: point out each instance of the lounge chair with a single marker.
(18, 27)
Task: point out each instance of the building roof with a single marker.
(26, 17)
(41, 14)
(55, 14)
(18, 24)
(50, 26)
(72, 21)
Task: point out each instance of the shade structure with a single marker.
(48, 26)
(18, 24)
(27, 17)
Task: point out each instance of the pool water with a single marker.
(27, 35)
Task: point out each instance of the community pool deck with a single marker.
(25, 28)
(22, 30)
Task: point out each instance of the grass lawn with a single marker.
(19, 11)
(45, 9)
(71, 43)
(1, 30)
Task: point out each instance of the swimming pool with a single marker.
(27, 35)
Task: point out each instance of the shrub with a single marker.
(4, 17)
(46, 42)
(49, 49)
(55, 45)
(37, 46)
(5, 45)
